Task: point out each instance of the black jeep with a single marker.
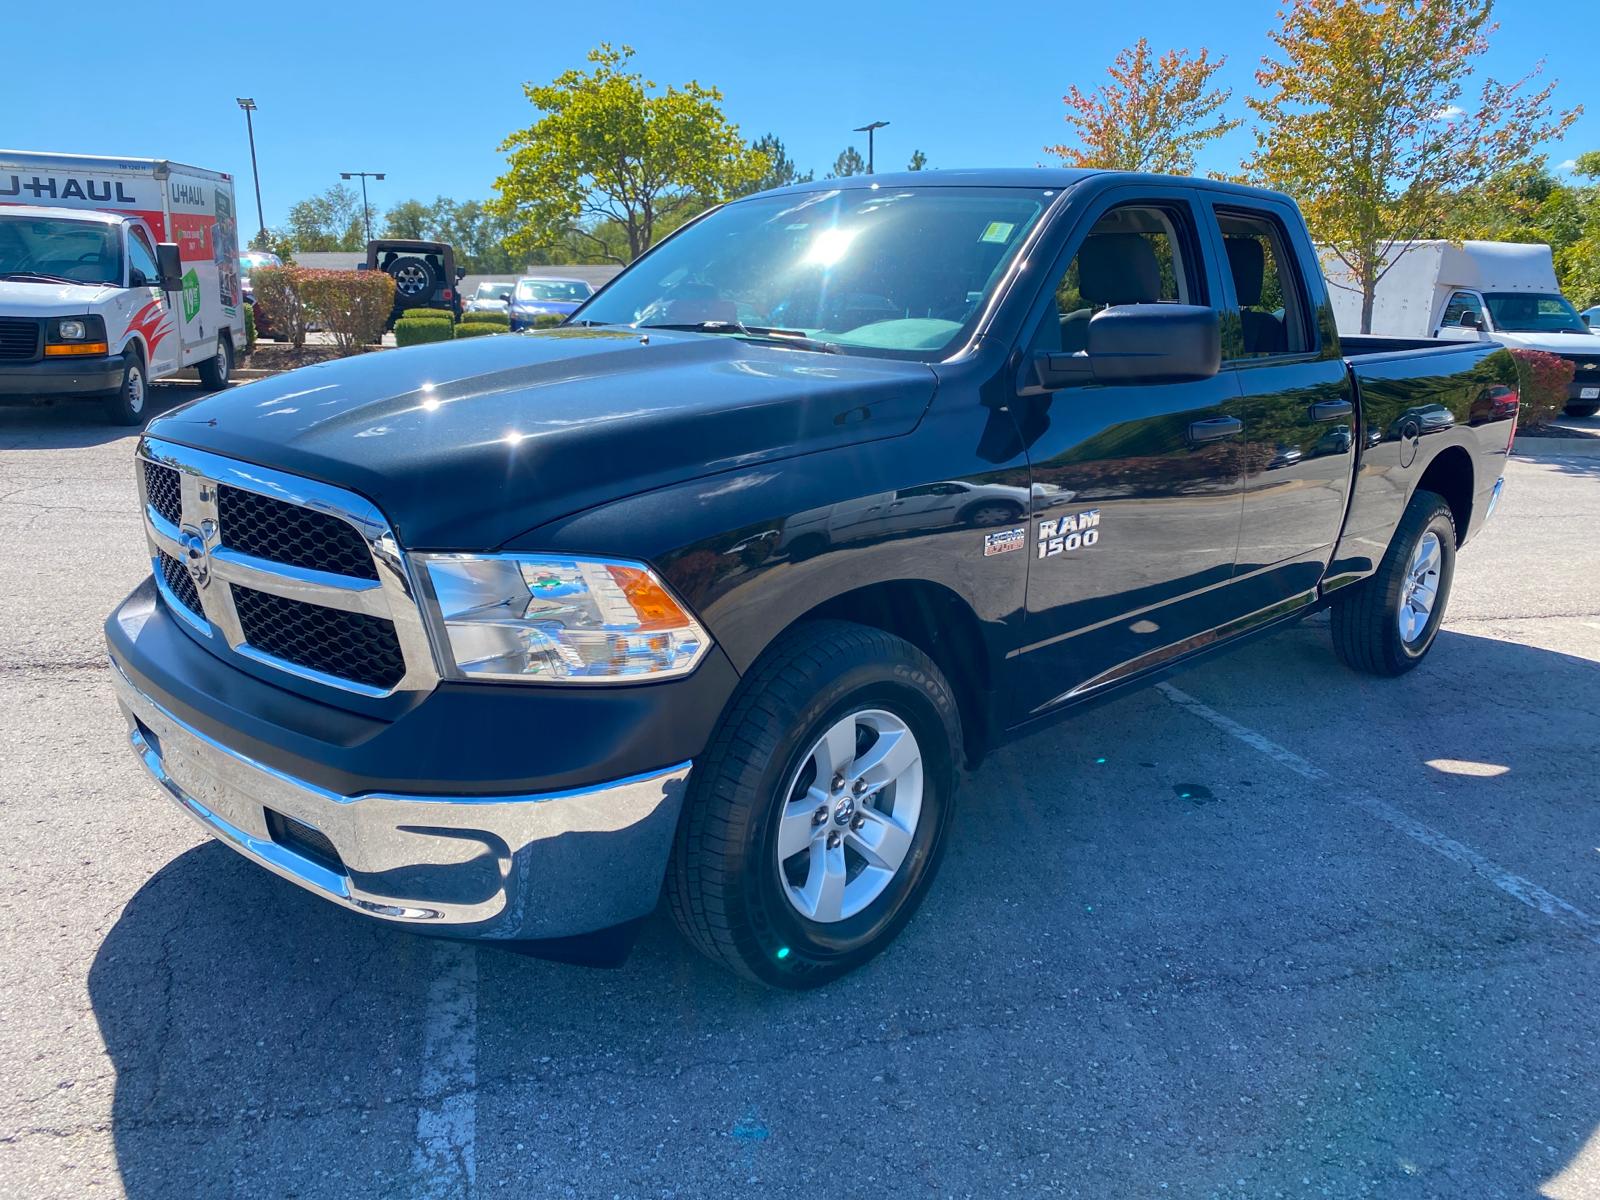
(424, 273)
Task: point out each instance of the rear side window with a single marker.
(1271, 297)
(1134, 254)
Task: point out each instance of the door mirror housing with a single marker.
(171, 265)
(461, 273)
(1139, 343)
(1469, 320)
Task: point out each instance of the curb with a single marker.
(1556, 448)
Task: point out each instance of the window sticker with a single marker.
(997, 231)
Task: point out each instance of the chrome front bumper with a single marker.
(551, 865)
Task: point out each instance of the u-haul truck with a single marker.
(114, 272)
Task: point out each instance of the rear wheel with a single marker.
(1388, 622)
(816, 817)
(126, 406)
(1582, 410)
(215, 372)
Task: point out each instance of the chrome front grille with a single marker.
(286, 572)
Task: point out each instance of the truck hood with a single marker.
(22, 298)
(1554, 343)
(464, 445)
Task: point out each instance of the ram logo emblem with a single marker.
(1059, 535)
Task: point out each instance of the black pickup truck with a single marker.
(716, 589)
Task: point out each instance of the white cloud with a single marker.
(1570, 165)
(1449, 113)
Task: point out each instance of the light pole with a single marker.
(249, 107)
(366, 212)
(869, 130)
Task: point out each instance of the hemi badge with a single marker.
(1003, 542)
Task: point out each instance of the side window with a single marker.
(142, 258)
(1134, 254)
(1273, 310)
(1460, 304)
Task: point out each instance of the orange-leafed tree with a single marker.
(1364, 117)
(1153, 114)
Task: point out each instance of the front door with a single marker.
(155, 314)
(1137, 488)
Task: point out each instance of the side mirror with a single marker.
(1469, 320)
(171, 266)
(363, 266)
(461, 273)
(1140, 343)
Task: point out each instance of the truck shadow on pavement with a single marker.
(78, 424)
(1112, 984)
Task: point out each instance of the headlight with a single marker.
(70, 331)
(547, 618)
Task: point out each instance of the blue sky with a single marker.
(425, 92)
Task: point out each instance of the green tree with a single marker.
(611, 145)
(848, 163)
(1359, 119)
(330, 220)
(1153, 114)
(780, 170)
(919, 160)
(477, 234)
(410, 219)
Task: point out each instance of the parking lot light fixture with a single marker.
(249, 106)
(869, 129)
(366, 209)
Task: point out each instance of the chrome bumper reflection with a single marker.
(530, 866)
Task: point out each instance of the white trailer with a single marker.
(115, 272)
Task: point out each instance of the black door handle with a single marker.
(1214, 429)
(1330, 410)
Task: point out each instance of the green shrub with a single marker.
(547, 320)
(477, 329)
(354, 306)
(277, 291)
(487, 318)
(249, 329)
(427, 314)
(409, 331)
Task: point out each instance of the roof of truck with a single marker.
(107, 162)
(1045, 178)
(55, 212)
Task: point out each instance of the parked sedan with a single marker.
(491, 297)
(546, 297)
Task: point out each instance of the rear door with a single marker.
(1137, 488)
(1297, 404)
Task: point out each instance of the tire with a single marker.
(1370, 626)
(130, 402)
(216, 371)
(1582, 410)
(414, 278)
(991, 512)
(728, 891)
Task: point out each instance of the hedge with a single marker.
(477, 329)
(354, 306)
(277, 291)
(1543, 380)
(487, 318)
(547, 320)
(411, 332)
(249, 328)
(427, 314)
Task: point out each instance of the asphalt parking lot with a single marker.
(1274, 930)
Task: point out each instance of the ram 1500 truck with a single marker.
(715, 589)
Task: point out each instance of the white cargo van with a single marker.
(114, 272)
(1503, 292)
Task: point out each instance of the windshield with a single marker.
(1533, 312)
(560, 291)
(79, 251)
(494, 291)
(900, 272)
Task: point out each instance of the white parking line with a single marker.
(1527, 892)
(444, 1160)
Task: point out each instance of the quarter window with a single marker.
(1460, 304)
(1271, 299)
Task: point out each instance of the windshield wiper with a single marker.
(766, 333)
(39, 275)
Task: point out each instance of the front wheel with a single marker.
(815, 819)
(215, 372)
(126, 405)
(1388, 622)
